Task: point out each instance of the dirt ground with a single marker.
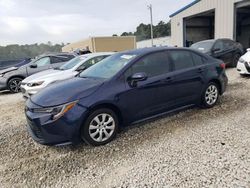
(193, 148)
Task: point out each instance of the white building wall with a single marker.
(162, 41)
(224, 19)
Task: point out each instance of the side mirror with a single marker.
(137, 77)
(33, 66)
(216, 50)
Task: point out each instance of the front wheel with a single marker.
(100, 127)
(211, 95)
(14, 85)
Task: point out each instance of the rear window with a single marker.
(198, 60)
(204, 46)
(182, 59)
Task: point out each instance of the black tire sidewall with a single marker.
(11, 80)
(204, 102)
(85, 128)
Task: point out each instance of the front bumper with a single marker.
(65, 130)
(243, 68)
(3, 83)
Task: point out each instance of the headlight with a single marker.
(241, 60)
(57, 111)
(35, 84)
(1, 75)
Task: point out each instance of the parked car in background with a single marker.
(243, 65)
(11, 78)
(226, 50)
(34, 83)
(123, 89)
(13, 63)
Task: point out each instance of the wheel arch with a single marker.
(110, 106)
(15, 76)
(218, 83)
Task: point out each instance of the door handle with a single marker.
(168, 79)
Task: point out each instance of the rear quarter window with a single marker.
(198, 60)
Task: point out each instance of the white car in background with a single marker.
(34, 83)
(243, 65)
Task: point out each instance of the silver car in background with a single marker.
(32, 84)
(11, 78)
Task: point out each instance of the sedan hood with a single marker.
(66, 91)
(41, 75)
(3, 71)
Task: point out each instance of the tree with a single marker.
(12, 52)
(143, 31)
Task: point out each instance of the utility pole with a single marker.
(151, 17)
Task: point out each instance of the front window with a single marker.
(203, 47)
(153, 65)
(42, 62)
(72, 63)
(109, 66)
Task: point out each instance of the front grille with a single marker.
(35, 130)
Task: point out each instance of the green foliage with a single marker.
(143, 31)
(12, 52)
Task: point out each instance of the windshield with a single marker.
(109, 66)
(203, 47)
(73, 62)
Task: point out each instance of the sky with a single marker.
(40, 21)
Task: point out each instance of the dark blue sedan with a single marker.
(123, 89)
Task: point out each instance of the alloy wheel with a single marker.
(102, 127)
(211, 95)
(14, 85)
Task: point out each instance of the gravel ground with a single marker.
(194, 148)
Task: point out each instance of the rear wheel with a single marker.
(100, 127)
(210, 95)
(14, 85)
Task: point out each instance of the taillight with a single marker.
(223, 65)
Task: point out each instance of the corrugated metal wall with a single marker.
(224, 19)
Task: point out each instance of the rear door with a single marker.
(153, 95)
(189, 72)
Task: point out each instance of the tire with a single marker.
(14, 85)
(95, 131)
(211, 95)
(235, 60)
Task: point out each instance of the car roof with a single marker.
(90, 55)
(143, 51)
(214, 40)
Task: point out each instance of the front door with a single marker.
(39, 65)
(153, 95)
(222, 51)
